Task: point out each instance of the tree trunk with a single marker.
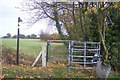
(105, 54)
(58, 26)
(101, 29)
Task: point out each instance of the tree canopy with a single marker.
(84, 21)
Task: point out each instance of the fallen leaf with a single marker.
(31, 77)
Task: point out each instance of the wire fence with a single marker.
(57, 51)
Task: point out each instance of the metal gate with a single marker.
(79, 55)
(83, 55)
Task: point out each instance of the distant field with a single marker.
(57, 51)
(27, 46)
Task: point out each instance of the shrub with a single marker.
(47, 36)
(9, 56)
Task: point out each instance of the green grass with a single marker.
(53, 70)
(27, 46)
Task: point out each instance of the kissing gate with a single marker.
(81, 55)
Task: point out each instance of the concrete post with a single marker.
(44, 57)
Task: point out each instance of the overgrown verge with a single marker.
(9, 56)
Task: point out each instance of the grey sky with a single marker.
(8, 19)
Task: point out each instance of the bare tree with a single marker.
(74, 17)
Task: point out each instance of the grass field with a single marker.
(34, 46)
(27, 46)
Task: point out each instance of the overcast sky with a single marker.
(9, 17)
